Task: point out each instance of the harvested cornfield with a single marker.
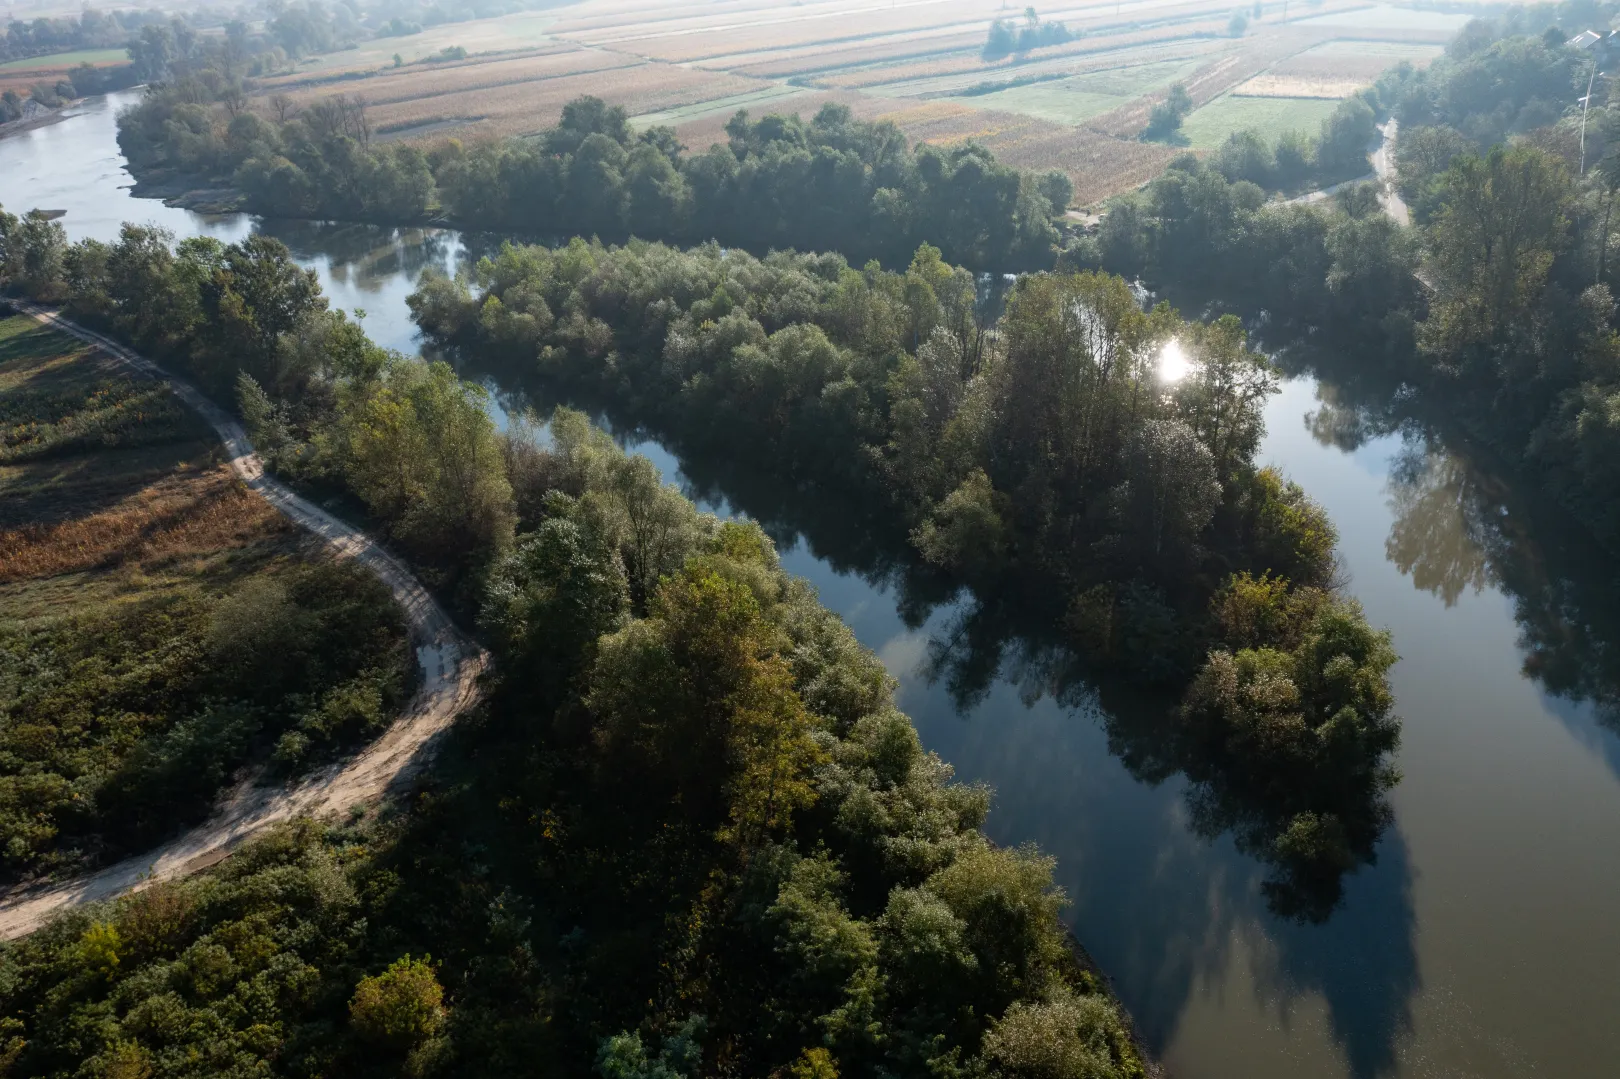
(523, 108)
(1100, 166)
(422, 83)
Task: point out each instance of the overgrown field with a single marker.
(160, 625)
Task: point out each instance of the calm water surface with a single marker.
(1483, 943)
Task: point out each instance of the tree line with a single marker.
(689, 830)
(1041, 461)
(779, 181)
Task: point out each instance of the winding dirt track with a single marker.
(450, 667)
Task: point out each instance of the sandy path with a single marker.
(450, 667)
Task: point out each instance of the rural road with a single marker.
(1383, 163)
(450, 666)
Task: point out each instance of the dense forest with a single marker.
(1498, 302)
(1042, 462)
(688, 833)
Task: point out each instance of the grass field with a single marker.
(1078, 98)
(1209, 126)
(1388, 17)
(61, 60)
(774, 97)
(138, 579)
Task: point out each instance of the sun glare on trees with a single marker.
(1174, 365)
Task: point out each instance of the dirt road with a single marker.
(450, 666)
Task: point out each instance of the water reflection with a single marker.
(1162, 856)
(1480, 942)
(1462, 523)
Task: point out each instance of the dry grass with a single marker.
(93, 508)
(1298, 86)
(190, 512)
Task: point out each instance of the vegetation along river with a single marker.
(1482, 943)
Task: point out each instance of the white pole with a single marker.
(1586, 106)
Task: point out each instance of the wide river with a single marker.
(1486, 939)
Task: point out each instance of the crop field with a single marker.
(1080, 97)
(774, 97)
(1209, 126)
(1362, 61)
(63, 61)
(506, 33)
(522, 108)
(1078, 105)
(1099, 165)
(425, 83)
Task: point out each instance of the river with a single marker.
(1482, 943)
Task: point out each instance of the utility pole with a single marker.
(1586, 105)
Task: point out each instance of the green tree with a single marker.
(401, 1007)
(1165, 118)
(1503, 221)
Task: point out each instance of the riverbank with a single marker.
(187, 193)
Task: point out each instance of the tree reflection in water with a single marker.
(987, 639)
(1465, 521)
(984, 642)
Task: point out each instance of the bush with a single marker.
(401, 1007)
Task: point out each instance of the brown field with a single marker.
(423, 83)
(24, 79)
(1100, 166)
(1298, 86)
(523, 108)
(318, 77)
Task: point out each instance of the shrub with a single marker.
(401, 1007)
